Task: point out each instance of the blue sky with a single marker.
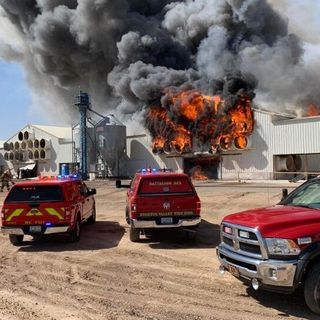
(15, 102)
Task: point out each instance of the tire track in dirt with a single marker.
(105, 276)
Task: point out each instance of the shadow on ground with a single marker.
(287, 304)
(208, 236)
(101, 235)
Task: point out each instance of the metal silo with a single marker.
(111, 146)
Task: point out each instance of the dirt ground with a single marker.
(105, 276)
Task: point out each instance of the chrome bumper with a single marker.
(268, 272)
(19, 231)
(143, 224)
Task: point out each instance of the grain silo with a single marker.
(111, 147)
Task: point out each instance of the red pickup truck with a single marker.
(277, 248)
(158, 200)
(47, 205)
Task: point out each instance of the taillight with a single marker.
(198, 208)
(133, 210)
(68, 211)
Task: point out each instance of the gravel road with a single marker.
(105, 276)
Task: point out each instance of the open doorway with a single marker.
(202, 168)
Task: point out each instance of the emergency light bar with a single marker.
(154, 170)
(61, 177)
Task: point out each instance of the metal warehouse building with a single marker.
(281, 147)
(37, 150)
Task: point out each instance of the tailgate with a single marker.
(32, 205)
(167, 196)
(33, 213)
(168, 205)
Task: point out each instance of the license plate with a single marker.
(166, 220)
(35, 229)
(233, 270)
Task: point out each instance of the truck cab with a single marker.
(277, 248)
(47, 205)
(157, 199)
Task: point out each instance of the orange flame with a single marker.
(209, 119)
(198, 174)
(313, 110)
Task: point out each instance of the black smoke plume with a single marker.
(125, 53)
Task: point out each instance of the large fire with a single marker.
(188, 118)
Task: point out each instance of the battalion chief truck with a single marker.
(157, 200)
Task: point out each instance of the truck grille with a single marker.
(243, 240)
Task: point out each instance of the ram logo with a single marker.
(166, 205)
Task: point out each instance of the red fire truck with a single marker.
(158, 200)
(47, 205)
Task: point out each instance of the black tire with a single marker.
(312, 289)
(191, 234)
(93, 217)
(127, 215)
(16, 239)
(134, 234)
(74, 234)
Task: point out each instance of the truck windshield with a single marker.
(35, 194)
(307, 195)
(168, 185)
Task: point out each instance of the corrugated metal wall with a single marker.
(256, 161)
(298, 136)
(272, 137)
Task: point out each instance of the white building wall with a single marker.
(255, 162)
(59, 151)
(140, 156)
(297, 136)
(273, 137)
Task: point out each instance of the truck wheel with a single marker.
(16, 239)
(92, 218)
(74, 234)
(312, 289)
(134, 234)
(127, 215)
(191, 235)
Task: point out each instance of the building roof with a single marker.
(59, 132)
(274, 113)
(110, 120)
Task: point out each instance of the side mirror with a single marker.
(93, 191)
(284, 193)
